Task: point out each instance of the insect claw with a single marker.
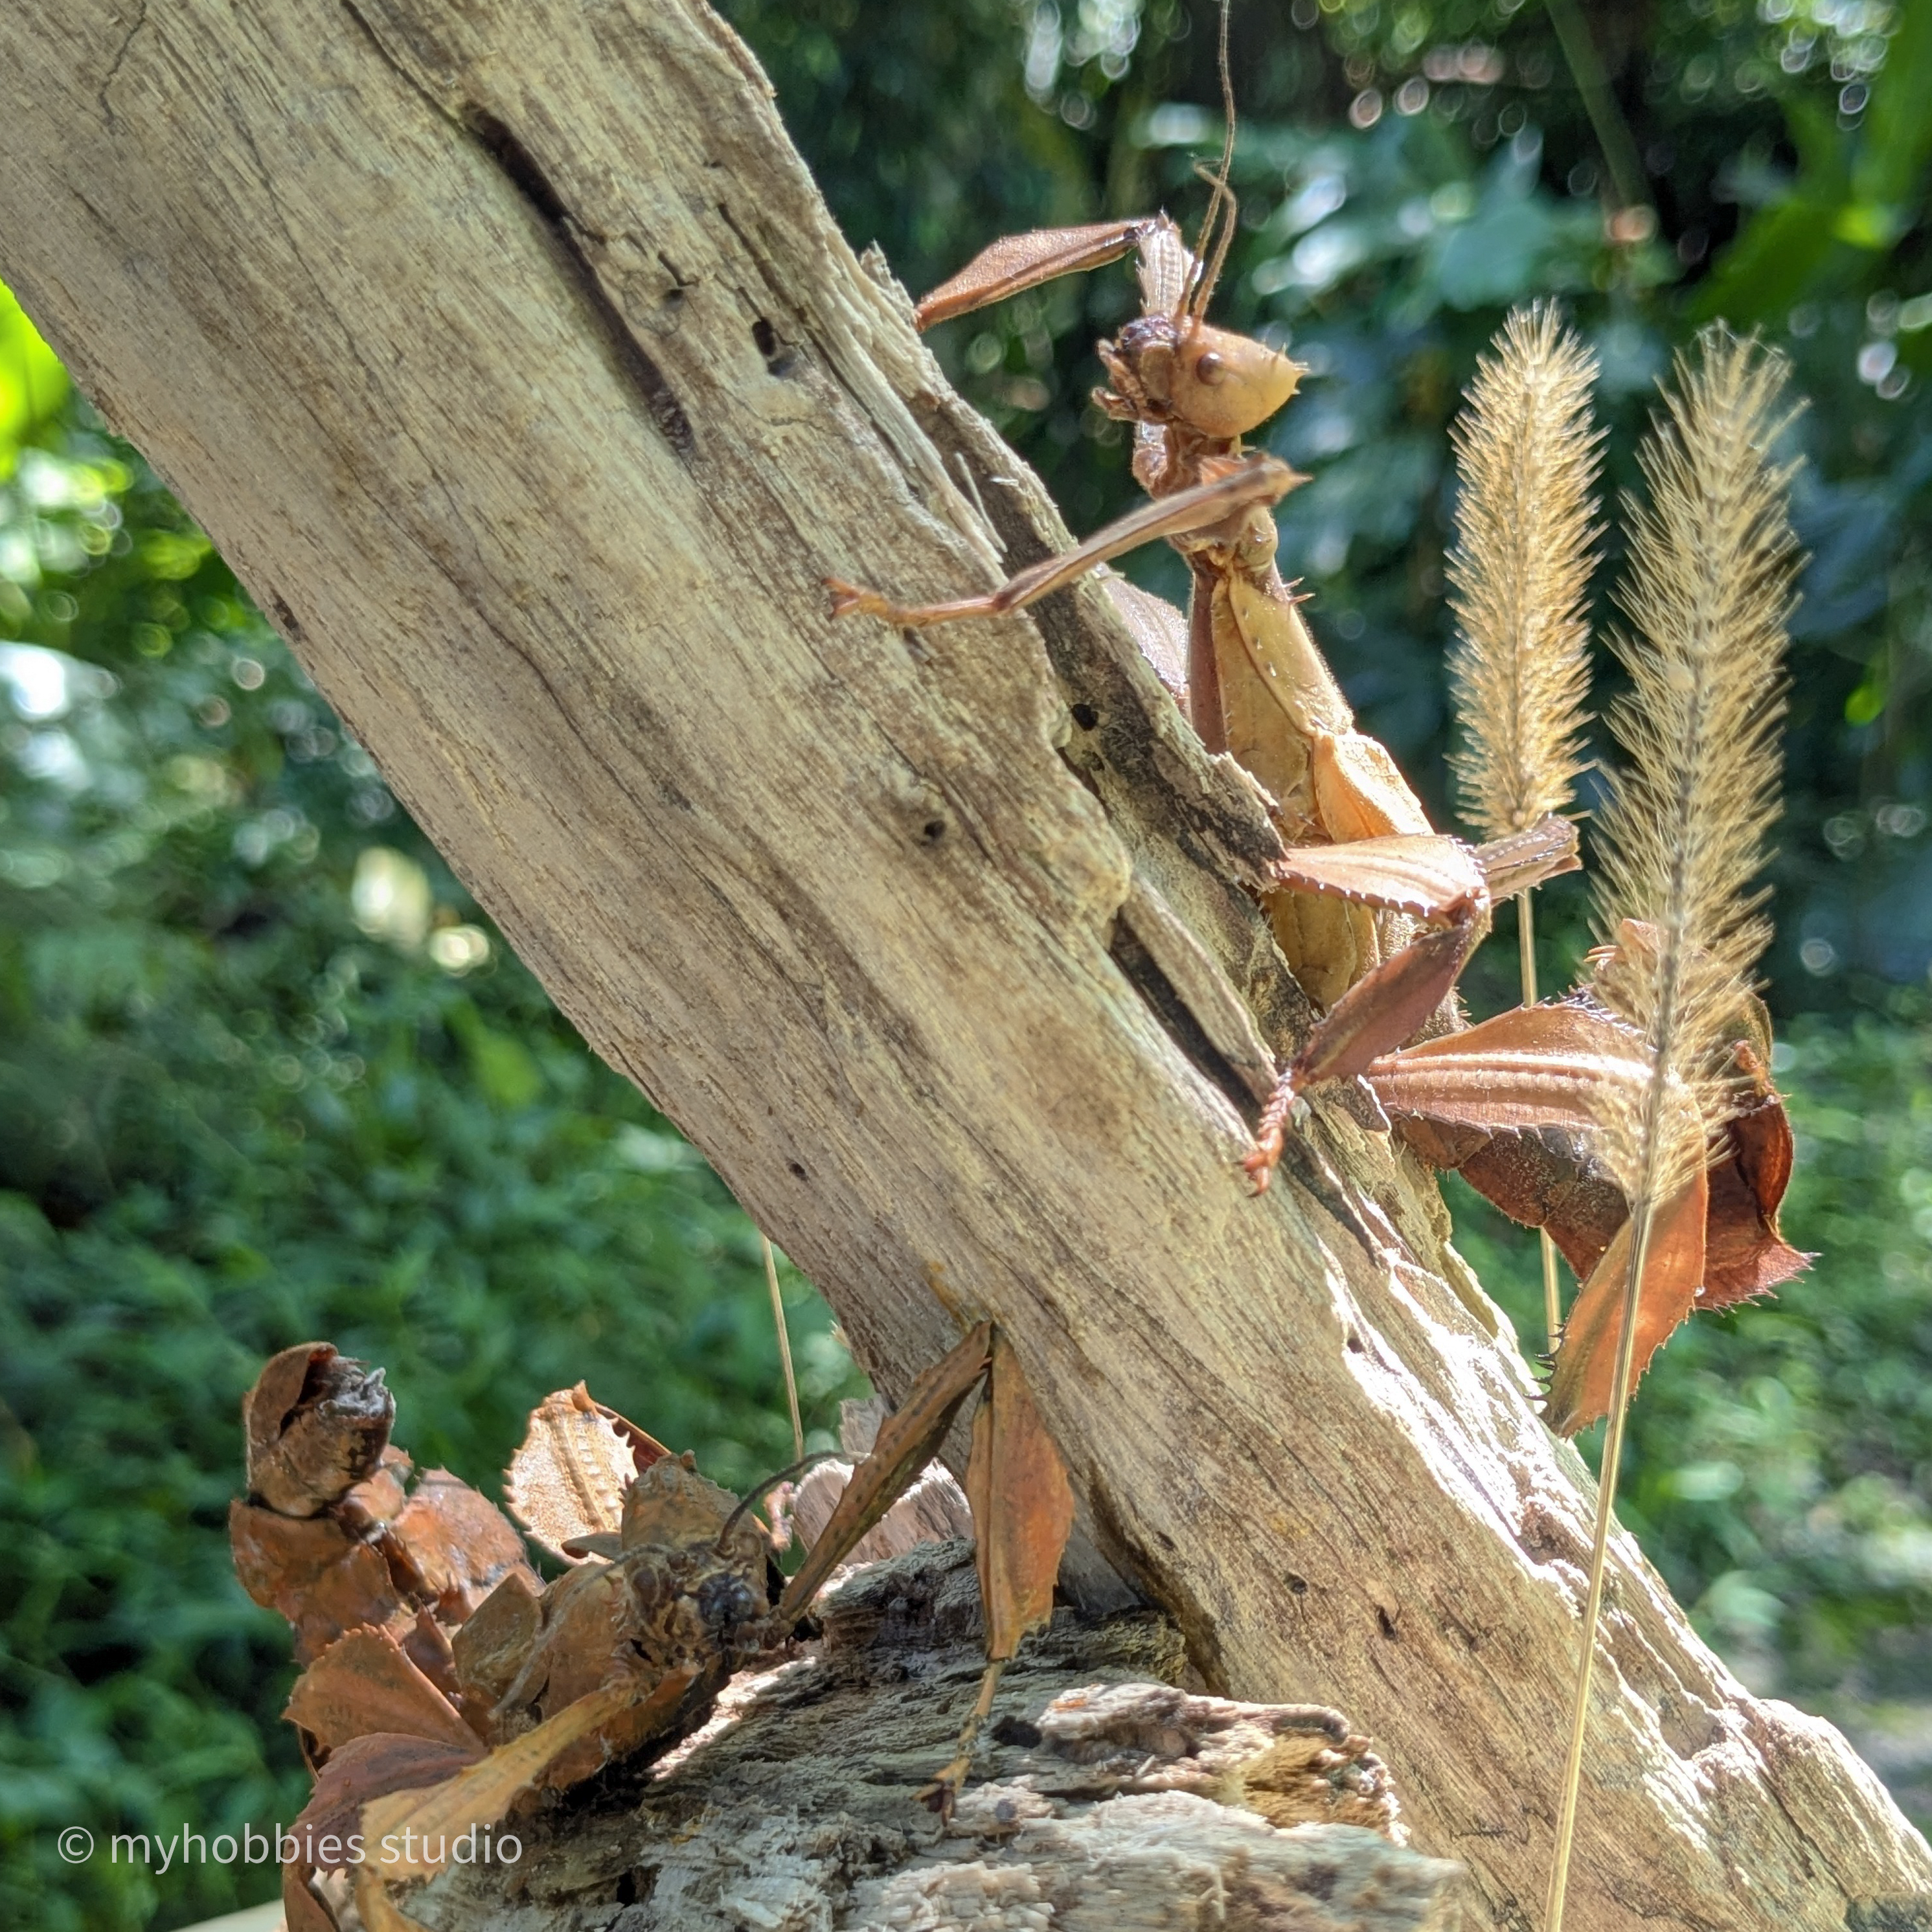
(941, 1795)
(848, 600)
(1287, 1104)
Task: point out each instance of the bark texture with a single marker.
(1112, 1800)
(506, 350)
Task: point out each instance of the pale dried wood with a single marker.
(509, 354)
(1112, 1800)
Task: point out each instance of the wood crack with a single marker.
(114, 66)
(514, 161)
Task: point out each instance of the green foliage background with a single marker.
(264, 1073)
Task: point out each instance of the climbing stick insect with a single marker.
(1376, 912)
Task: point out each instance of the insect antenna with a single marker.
(1221, 204)
(770, 1482)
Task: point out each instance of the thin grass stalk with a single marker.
(1553, 1299)
(1600, 1541)
(784, 1350)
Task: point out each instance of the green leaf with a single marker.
(1897, 135)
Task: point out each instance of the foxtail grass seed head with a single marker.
(1682, 837)
(1527, 455)
(1709, 593)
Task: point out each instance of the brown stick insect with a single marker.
(420, 1734)
(1376, 911)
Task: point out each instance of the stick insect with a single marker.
(428, 1718)
(1375, 910)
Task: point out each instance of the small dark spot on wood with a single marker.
(1085, 716)
(1010, 1730)
(778, 358)
(1166, 1542)
(1386, 1622)
(1355, 1346)
(285, 619)
(933, 831)
(799, 1171)
(1298, 1585)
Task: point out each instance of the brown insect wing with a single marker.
(454, 1543)
(1747, 1254)
(311, 1571)
(1580, 1390)
(362, 1684)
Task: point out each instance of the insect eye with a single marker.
(1209, 368)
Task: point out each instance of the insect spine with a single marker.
(1683, 836)
(1527, 455)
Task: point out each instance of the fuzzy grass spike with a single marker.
(1527, 455)
(1682, 843)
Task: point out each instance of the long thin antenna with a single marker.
(785, 1349)
(805, 1463)
(1553, 1294)
(1222, 202)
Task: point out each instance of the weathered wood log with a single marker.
(1112, 1800)
(508, 353)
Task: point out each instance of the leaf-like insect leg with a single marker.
(943, 1793)
(1374, 1016)
(1018, 262)
(1525, 859)
(1022, 1513)
(908, 1441)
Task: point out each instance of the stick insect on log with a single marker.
(1376, 912)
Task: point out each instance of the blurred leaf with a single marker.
(1897, 140)
(33, 385)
